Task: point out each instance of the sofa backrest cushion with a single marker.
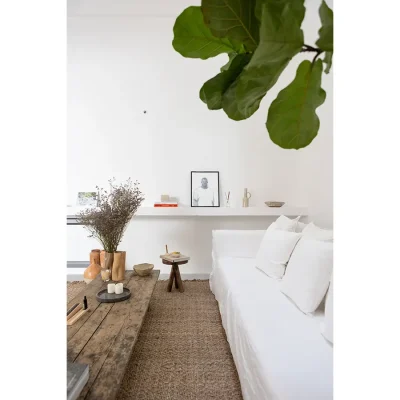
(327, 326)
(311, 231)
(308, 273)
(275, 250)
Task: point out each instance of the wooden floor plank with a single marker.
(109, 379)
(90, 292)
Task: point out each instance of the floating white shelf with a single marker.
(183, 211)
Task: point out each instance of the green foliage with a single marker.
(232, 19)
(260, 37)
(193, 39)
(328, 61)
(280, 39)
(297, 102)
(213, 90)
(325, 41)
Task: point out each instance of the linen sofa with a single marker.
(279, 351)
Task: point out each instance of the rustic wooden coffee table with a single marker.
(104, 336)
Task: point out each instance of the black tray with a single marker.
(104, 297)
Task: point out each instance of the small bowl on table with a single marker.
(143, 269)
(174, 254)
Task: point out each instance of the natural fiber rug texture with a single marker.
(181, 352)
(73, 288)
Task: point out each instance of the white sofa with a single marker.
(279, 352)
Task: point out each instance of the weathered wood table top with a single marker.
(104, 336)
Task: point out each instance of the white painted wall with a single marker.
(120, 63)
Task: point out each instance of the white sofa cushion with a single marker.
(284, 223)
(266, 334)
(308, 273)
(275, 250)
(311, 231)
(300, 226)
(327, 326)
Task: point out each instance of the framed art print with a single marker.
(205, 188)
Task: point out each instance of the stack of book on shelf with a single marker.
(166, 204)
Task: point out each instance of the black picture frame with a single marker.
(192, 189)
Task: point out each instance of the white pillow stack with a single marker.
(275, 250)
(286, 224)
(308, 273)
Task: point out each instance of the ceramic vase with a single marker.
(118, 268)
(94, 268)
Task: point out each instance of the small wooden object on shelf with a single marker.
(175, 273)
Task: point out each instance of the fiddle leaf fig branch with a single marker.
(260, 37)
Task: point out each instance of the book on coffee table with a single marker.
(77, 377)
(174, 259)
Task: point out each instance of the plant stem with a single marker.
(307, 48)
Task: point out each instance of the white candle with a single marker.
(119, 288)
(111, 288)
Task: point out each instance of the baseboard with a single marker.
(76, 274)
(186, 276)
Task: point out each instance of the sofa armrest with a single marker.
(236, 243)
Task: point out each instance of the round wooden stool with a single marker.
(175, 274)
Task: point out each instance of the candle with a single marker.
(111, 288)
(119, 288)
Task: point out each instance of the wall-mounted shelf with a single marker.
(183, 211)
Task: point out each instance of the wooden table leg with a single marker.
(171, 279)
(178, 279)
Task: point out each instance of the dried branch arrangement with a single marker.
(109, 220)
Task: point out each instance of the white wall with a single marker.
(120, 63)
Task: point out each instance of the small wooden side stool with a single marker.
(175, 274)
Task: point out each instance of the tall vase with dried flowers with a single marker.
(109, 220)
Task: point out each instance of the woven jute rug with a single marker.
(73, 288)
(181, 352)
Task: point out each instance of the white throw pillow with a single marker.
(286, 224)
(312, 231)
(275, 250)
(327, 328)
(300, 226)
(308, 273)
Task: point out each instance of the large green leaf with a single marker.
(297, 5)
(325, 41)
(232, 19)
(292, 122)
(212, 91)
(231, 58)
(193, 39)
(281, 38)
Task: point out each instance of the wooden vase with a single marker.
(102, 260)
(108, 260)
(94, 268)
(118, 268)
